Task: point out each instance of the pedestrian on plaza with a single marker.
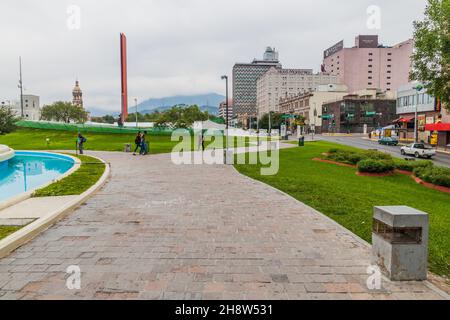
(370, 135)
(138, 142)
(144, 145)
(203, 141)
(80, 142)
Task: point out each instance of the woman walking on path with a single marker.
(138, 142)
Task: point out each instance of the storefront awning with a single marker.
(438, 127)
(404, 120)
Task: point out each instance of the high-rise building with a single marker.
(245, 76)
(370, 65)
(282, 83)
(77, 95)
(223, 110)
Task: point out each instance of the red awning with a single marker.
(438, 127)
(404, 120)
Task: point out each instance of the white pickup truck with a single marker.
(419, 150)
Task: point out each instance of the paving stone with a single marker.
(170, 233)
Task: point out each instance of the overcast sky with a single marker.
(174, 46)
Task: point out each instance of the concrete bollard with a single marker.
(400, 242)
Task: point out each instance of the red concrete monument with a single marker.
(123, 64)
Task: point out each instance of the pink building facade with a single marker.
(368, 65)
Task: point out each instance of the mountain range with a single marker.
(207, 102)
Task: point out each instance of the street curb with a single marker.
(363, 242)
(29, 232)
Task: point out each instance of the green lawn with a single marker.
(36, 139)
(7, 230)
(78, 182)
(349, 199)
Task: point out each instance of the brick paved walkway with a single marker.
(159, 231)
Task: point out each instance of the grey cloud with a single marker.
(174, 46)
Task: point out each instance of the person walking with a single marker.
(138, 142)
(80, 142)
(144, 145)
(203, 141)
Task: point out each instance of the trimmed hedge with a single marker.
(401, 164)
(376, 166)
(436, 175)
(352, 157)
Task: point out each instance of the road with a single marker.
(441, 159)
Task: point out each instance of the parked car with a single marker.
(419, 150)
(388, 141)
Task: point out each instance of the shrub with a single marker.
(401, 164)
(376, 166)
(376, 155)
(436, 175)
(352, 157)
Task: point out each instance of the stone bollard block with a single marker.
(400, 242)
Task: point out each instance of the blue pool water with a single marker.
(29, 170)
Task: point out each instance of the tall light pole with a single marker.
(135, 103)
(314, 122)
(21, 86)
(270, 124)
(226, 106)
(418, 88)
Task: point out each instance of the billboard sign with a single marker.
(336, 48)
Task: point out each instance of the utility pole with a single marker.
(21, 87)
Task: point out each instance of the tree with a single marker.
(431, 57)
(64, 112)
(8, 120)
(276, 121)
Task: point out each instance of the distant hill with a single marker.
(211, 99)
(207, 102)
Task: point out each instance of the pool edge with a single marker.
(26, 195)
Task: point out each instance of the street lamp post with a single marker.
(314, 122)
(270, 123)
(136, 104)
(226, 107)
(418, 88)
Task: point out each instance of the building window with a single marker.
(389, 78)
(389, 53)
(370, 54)
(388, 83)
(389, 71)
(370, 78)
(370, 83)
(370, 71)
(389, 60)
(370, 66)
(389, 66)
(370, 60)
